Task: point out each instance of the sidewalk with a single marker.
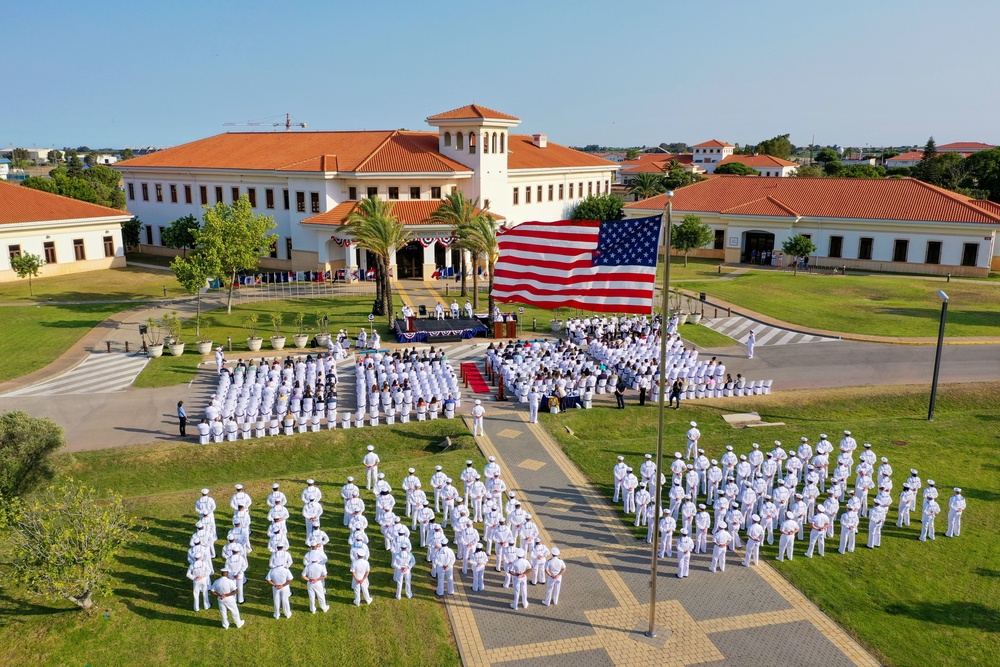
(748, 616)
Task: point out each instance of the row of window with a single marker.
(901, 250)
(219, 191)
(79, 250)
(497, 142)
(392, 192)
(274, 246)
(539, 191)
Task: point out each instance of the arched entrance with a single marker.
(756, 241)
(410, 261)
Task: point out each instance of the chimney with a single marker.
(540, 140)
(327, 163)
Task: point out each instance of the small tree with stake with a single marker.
(193, 273)
(690, 234)
(798, 246)
(27, 266)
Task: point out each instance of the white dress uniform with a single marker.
(200, 575)
(478, 412)
(224, 589)
(280, 579)
(315, 574)
(371, 461)
(931, 510)
(817, 536)
(956, 507)
(721, 541)
(519, 575)
(849, 522)
(403, 563)
(444, 564)
(554, 569)
(205, 508)
(478, 561)
(359, 581)
(755, 535)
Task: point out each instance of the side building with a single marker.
(872, 224)
(311, 181)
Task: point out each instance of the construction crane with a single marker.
(288, 124)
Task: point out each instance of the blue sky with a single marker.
(852, 72)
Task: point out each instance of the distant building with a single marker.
(611, 157)
(709, 154)
(857, 159)
(70, 235)
(964, 147)
(766, 165)
(4, 168)
(910, 159)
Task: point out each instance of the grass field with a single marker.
(872, 305)
(130, 282)
(912, 603)
(150, 618)
(704, 337)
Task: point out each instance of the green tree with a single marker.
(74, 167)
(27, 266)
(678, 177)
(54, 158)
(20, 158)
(631, 153)
(131, 233)
(778, 146)
(105, 181)
(647, 185)
(690, 234)
(808, 171)
(90, 159)
(833, 168)
(66, 540)
(600, 207)
(798, 246)
(26, 443)
(862, 171)
(479, 236)
(827, 155)
(40, 183)
(456, 211)
(738, 168)
(983, 172)
(233, 239)
(192, 273)
(374, 228)
(180, 234)
(127, 154)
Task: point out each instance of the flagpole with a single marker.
(661, 408)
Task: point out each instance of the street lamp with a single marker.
(937, 356)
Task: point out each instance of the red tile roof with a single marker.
(964, 147)
(646, 158)
(409, 212)
(471, 111)
(912, 155)
(713, 143)
(525, 155)
(758, 161)
(648, 168)
(859, 198)
(21, 204)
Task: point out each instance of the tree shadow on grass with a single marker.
(976, 494)
(960, 614)
(14, 608)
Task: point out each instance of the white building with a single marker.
(910, 159)
(709, 154)
(310, 181)
(71, 236)
(4, 168)
(766, 165)
(873, 224)
(966, 148)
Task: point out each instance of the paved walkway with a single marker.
(738, 328)
(745, 616)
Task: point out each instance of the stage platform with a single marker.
(436, 330)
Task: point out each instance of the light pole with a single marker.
(664, 316)
(937, 356)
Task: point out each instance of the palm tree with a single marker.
(647, 185)
(373, 227)
(455, 211)
(479, 236)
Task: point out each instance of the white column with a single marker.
(350, 262)
(447, 256)
(429, 264)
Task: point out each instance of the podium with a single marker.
(511, 329)
(498, 329)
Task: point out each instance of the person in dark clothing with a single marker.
(620, 394)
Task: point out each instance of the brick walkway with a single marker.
(745, 616)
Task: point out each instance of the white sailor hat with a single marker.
(684, 531)
(236, 549)
(755, 446)
(678, 455)
(715, 462)
(755, 517)
(478, 402)
(690, 466)
(204, 492)
(468, 463)
(350, 479)
(555, 551)
(310, 481)
(371, 448)
(823, 435)
(847, 432)
(195, 542)
(493, 458)
(701, 451)
(694, 423)
(913, 471)
(743, 457)
(729, 448)
(930, 482)
(958, 490)
(411, 470)
(274, 486)
(224, 569)
(381, 475)
(621, 458)
(527, 516)
(723, 525)
(885, 459)
(868, 445)
(520, 553)
(239, 487)
(790, 515)
(805, 439)
(649, 456)
(437, 467)
(448, 480)
(777, 443)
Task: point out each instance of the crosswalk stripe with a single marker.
(98, 373)
(788, 337)
(727, 323)
(85, 384)
(768, 335)
(739, 327)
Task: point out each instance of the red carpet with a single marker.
(475, 378)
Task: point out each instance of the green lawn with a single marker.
(872, 305)
(697, 269)
(129, 282)
(34, 336)
(150, 614)
(704, 337)
(912, 603)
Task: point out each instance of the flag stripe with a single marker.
(555, 280)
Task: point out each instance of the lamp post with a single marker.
(664, 316)
(937, 356)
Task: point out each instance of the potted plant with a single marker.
(556, 324)
(277, 340)
(172, 324)
(301, 338)
(155, 345)
(250, 324)
(694, 317)
(322, 325)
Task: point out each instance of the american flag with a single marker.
(599, 266)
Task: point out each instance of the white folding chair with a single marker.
(699, 391)
(767, 386)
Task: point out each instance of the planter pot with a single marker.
(682, 318)
(694, 318)
(556, 325)
(254, 344)
(278, 342)
(177, 349)
(204, 347)
(168, 340)
(155, 350)
(322, 339)
(301, 340)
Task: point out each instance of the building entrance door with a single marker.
(410, 261)
(756, 242)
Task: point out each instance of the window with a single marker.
(203, 195)
(14, 251)
(494, 145)
(561, 190)
(607, 187)
(314, 202)
(581, 189)
(145, 192)
(865, 248)
(218, 194)
(570, 190)
(933, 254)
(159, 192)
(188, 197)
(459, 141)
(373, 191)
(284, 196)
(539, 194)
(288, 247)
(235, 193)
(109, 246)
(517, 196)
(527, 194)
(173, 193)
(300, 202)
(50, 252)
(900, 249)
(274, 250)
(472, 142)
(131, 191)
(501, 142)
(551, 192)
(78, 250)
(590, 188)
(970, 254)
(352, 193)
(447, 138)
(160, 229)
(435, 193)
(720, 239)
(808, 236)
(252, 196)
(393, 192)
(269, 197)
(453, 189)
(486, 142)
(415, 192)
(836, 246)
(149, 234)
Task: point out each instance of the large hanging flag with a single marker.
(600, 266)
